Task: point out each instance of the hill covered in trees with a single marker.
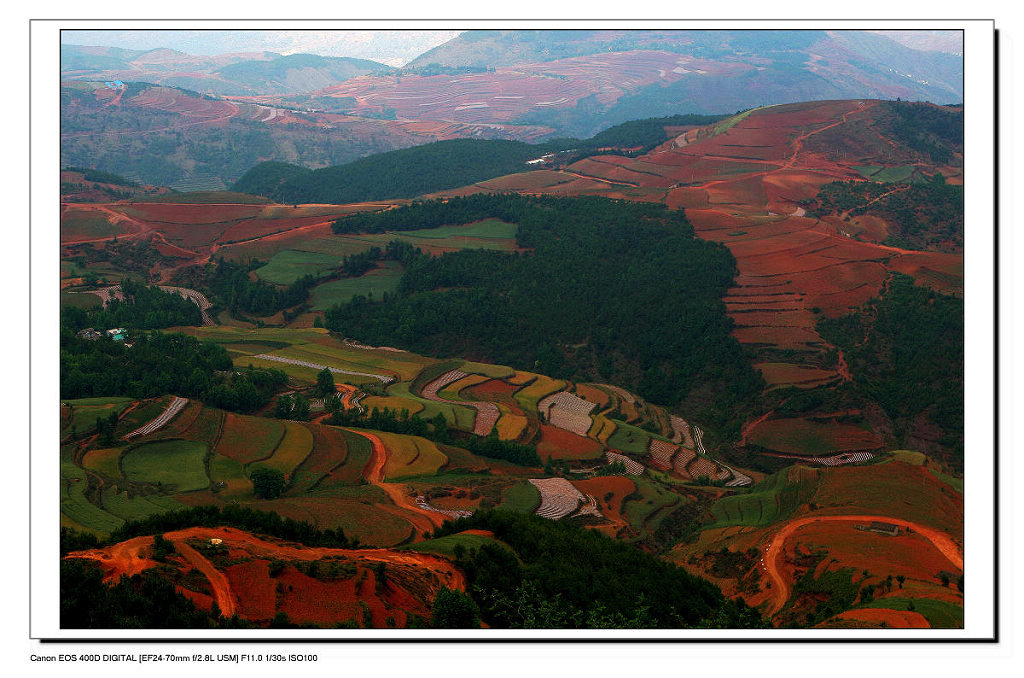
(409, 172)
(612, 291)
(906, 352)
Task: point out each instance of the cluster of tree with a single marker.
(432, 214)
(100, 176)
(928, 215)
(159, 363)
(231, 515)
(292, 407)
(933, 131)
(156, 364)
(613, 291)
(229, 283)
(436, 429)
(404, 173)
(268, 483)
(125, 255)
(564, 576)
(143, 308)
(144, 601)
(641, 135)
(105, 427)
(355, 265)
(245, 390)
(906, 353)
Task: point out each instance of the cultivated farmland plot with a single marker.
(661, 454)
(175, 406)
(487, 414)
(633, 468)
(384, 379)
(567, 411)
(559, 498)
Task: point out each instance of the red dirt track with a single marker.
(781, 585)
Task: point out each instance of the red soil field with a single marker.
(894, 489)
(620, 487)
(909, 554)
(246, 588)
(892, 619)
(802, 436)
(782, 373)
(778, 566)
(559, 444)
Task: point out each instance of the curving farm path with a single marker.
(421, 519)
(781, 587)
(218, 581)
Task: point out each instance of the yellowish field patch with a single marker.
(293, 449)
(410, 456)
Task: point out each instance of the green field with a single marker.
(80, 300)
(174, 464)
(899, 174)
(232, 474)
(649, 505)
(488, 229)
(773, 499)
(530, 395)
(630, 438)
(375, 283)
(146, 412)
(138, 507)
(105, 461)
(351, 471)
(73, 503)
(85, 411)
(445, 546)
(86, 224)
(410, 456)
(522, 497)
(292, 450)
(288, 266)
(208, 197)
(956, 483)
(456, 415)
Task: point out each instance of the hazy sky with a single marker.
(394, 48)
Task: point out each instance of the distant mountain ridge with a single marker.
(239, 74)
(579, 82)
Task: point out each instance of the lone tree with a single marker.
(454, 610)
(267, 483)
(325, 383)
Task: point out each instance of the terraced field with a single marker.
(295, 446)
(410, 456)
(176, 464)
(249, 439)
(772, 500)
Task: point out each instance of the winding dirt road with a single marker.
(218, 582)
(421, 519)
(781, 587)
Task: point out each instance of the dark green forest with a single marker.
(935, 132)
(143, 308)
(612, 291)
(156, 364)
(906, 352)
(564, 576)
(404, 173)
(419, 170)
